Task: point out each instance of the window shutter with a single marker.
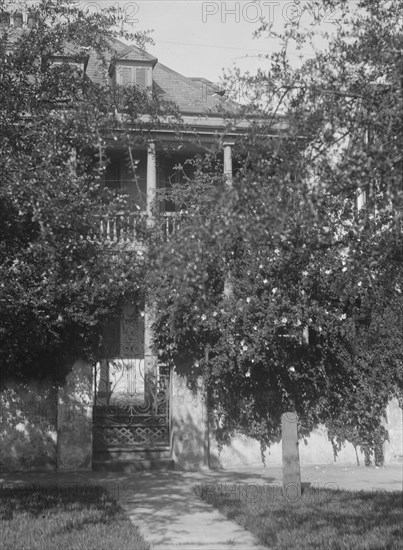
(141, 78)
(129, 76)
(126, 76)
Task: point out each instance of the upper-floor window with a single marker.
(132, 75)
(17, 19)
(58, 62)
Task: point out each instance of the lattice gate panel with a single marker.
(122, 417)
(144, 436)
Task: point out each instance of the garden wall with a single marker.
(44, 428)
(245, 451)
(189, 426)
(195, 447)
(28, 426)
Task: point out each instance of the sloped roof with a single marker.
(192, 97)
(132, 53)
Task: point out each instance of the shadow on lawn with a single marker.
(165, 497)
(36, 500)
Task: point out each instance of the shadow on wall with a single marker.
(195, 446)
(28, 426)
(193, 442)
(189, 428)
(74, 425)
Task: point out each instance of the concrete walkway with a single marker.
(170, 516)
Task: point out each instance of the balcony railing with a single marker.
(126, 228)
(122, 228)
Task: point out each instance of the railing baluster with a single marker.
(108, 229)
(123, 228)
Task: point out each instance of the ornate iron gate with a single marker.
(131, 392)
(131, 404)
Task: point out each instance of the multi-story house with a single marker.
(130, 412)
(133, 410)
(129, 398)
(143, 415)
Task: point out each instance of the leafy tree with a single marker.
(278, 290)
(59, 279)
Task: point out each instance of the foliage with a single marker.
(277, 290)
(59, 278)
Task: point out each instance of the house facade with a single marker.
(141, 410)
(120, 413)
(129, 412)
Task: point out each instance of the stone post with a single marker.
(291, 468)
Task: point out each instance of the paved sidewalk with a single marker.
(170, 516)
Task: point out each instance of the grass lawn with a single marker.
(324, 519)
(64, 518)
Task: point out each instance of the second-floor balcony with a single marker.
(123, 229)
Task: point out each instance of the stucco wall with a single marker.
(45, 428)
(74, 424)
(394, 424)
(194, 446)
(28, 426)
(245, 451)
(189, 426)
(42, 428)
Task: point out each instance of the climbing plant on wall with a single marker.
(284, 290)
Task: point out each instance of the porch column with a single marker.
(151, 179)
(228, 287)
(228, 162)
(150, 360)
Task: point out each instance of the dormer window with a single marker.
(132, 67)
(132, 75)
(70, 56)
(74, 63)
